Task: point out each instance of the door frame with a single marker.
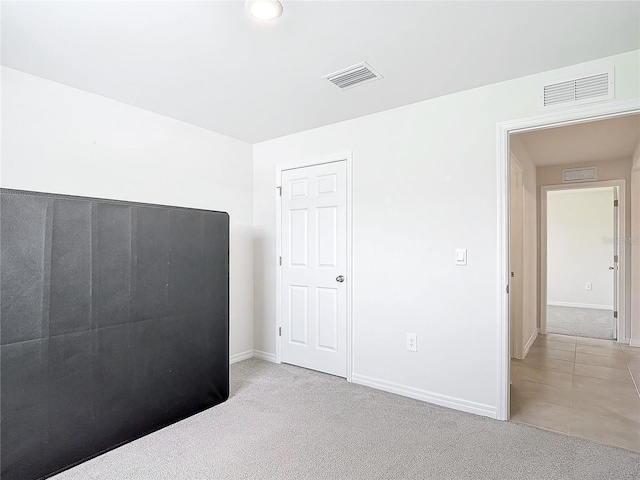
(571, 116)
(621, 321)
(344, 157)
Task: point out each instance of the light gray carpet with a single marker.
(284, 422)
(581, 322)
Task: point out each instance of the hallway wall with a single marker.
(579, 223)
(529, 327)
(635, 248)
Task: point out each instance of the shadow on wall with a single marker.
(262, 252)
(240, 287)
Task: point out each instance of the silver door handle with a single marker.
(340, 278)
(611, 268)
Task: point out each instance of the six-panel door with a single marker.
(314, 260)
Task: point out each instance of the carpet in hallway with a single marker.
(581, 322)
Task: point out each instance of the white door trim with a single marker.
(348, 158)
(622, 329)
(503, 130)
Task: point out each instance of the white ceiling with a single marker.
(612, 139)
(211, 65)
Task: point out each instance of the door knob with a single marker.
(340, 278)
(610, 268)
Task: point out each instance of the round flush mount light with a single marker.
(264, 9)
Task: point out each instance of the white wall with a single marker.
(635, 249)
(579, 223)
(529, 326)
(425, 183)
(62, 140)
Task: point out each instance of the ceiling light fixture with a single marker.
(264, 9)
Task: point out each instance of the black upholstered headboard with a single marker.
(114, 323)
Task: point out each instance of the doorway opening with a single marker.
(571, 368)
(582, 261)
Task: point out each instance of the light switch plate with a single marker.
(461, 257)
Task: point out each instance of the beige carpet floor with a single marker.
(581, 322)
(284, 422)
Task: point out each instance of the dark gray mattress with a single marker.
(114, 323)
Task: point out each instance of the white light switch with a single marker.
(588, 286)
(461, 256)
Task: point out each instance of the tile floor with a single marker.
(579, 386)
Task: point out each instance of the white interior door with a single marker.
(516, 261)
(314, 261)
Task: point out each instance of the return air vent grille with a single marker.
(576, 91)
(353, 76)
(579, 175)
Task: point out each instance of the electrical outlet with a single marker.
(588, 286)
(412, 342)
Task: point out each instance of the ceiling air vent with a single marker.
(576, 91)
(579, 175)
(355, 75)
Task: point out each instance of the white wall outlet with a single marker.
(588, 286)
(412, 342)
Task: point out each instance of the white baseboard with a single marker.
(593, 306)
(269, 357)
(527, 346)
(442, 400)
(634, 343)
(238, 357)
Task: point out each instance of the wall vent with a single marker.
(352, 76)
(578, 90)
(571, 175)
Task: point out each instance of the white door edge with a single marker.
(344, 157)
(516, 342)
(503, 130)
